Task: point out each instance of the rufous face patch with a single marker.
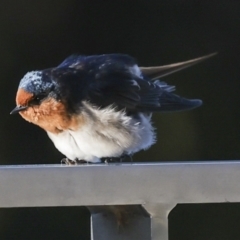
(51, 115)
(23, 97)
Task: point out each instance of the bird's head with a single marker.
(33, 89)
(37, 102)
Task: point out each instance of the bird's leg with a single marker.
(108, 160)
(67, 161)
(123, 158)
(81, 161)
(74, 162)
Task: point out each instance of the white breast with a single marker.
(107, 133)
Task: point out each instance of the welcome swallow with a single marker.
(95, 107)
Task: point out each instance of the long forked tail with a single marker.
(168, 101)
(157, 72)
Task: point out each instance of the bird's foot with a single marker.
(69, 162)
(123, 158)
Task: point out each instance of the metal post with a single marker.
(159, 219)
(120, 222)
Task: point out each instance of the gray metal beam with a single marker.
(157, 187)
(56, 185)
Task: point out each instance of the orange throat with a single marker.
(51, 115)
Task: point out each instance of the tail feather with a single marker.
(170, 102)
(157, 72)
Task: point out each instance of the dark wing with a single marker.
(103, 80)
(120, 84)
(115, 79)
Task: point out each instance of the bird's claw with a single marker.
(124, 158)
(69, 162)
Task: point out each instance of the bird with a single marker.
(96, 107)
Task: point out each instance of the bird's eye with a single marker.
(38, 98)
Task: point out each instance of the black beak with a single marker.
(18, 109)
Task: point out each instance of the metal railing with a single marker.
(147, 191)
